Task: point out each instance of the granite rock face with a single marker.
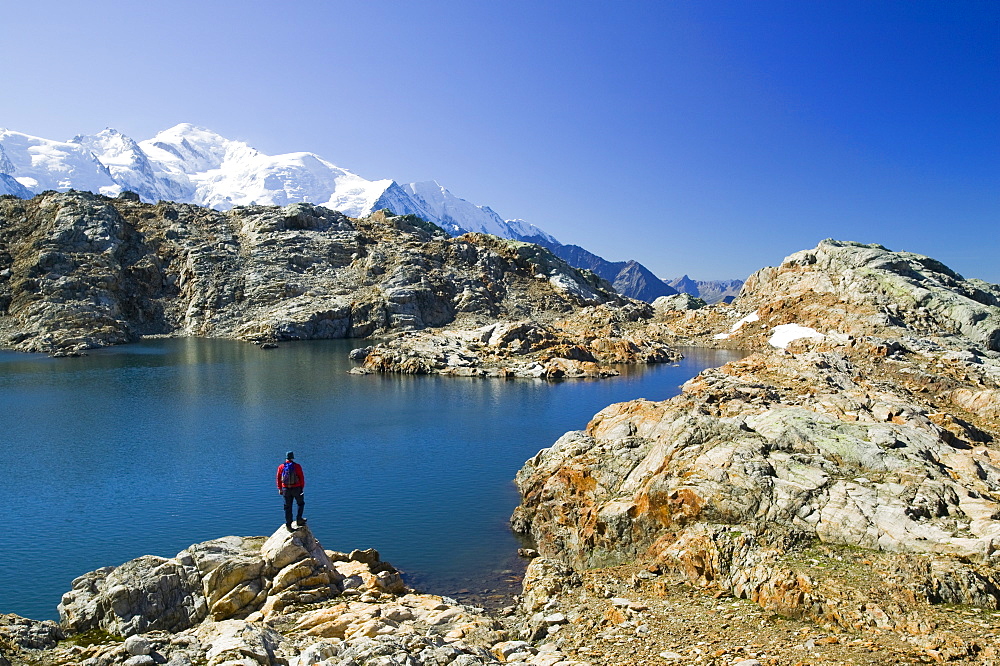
(877, 431)
(79, 270)
(678, 302)
(21, 632)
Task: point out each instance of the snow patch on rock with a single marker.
(750, 318)
(783, 334)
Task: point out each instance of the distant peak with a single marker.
(106, 133)
(188, 130)
(427, 185)
(187, 127)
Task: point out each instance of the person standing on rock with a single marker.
(291, 484)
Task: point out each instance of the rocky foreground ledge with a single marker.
(240, 601)
(254, 600)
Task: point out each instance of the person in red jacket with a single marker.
(291, 483)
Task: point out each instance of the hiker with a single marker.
(291, 482)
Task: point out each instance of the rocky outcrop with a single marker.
(842, 289)
(869, 290)
(253, 600)
(232, 577)
(79, 270)
(678, 302)
(869, 429)
(19, 632)
(588, 344)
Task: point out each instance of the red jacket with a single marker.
(298, 470)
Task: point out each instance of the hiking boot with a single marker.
(288, 526)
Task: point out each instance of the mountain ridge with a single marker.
(79, 270)
(710, 291)
(191, 164)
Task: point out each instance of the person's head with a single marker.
(290, 455)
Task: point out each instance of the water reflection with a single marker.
(151, 447)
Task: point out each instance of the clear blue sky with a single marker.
(703, 137)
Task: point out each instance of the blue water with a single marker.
(151, 447)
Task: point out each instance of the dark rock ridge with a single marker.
(847, 472)
(79, 270)
(629, 278)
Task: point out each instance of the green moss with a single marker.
(93, 637)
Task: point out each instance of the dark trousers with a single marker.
(293, 494)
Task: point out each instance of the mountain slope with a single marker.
(629, 278)
(458, 216)
(40, 164)
(8, 184)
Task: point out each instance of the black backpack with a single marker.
(289, 477)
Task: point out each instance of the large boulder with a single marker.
(144, 594)
(228, 578)
(28, 634)
(238, 642)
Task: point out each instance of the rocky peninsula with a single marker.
(79, 270)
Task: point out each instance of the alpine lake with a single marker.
(151, 447)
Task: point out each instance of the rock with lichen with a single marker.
(876, 431)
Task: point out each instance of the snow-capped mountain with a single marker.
(455, 214)
(191, 164)
(130, 167)
(40, 164)
(195, 165)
